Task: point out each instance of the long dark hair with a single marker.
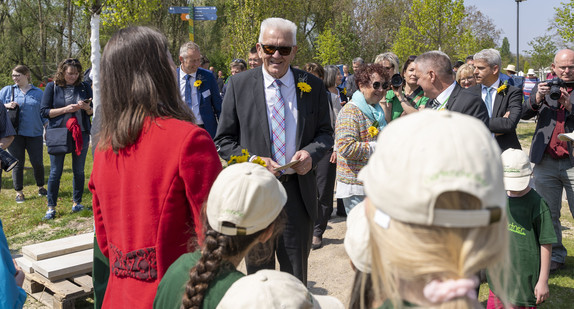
(138, 82)
(216, 247)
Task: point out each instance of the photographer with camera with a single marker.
(406, 96)
(552, 102)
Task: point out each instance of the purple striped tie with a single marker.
(278, 125)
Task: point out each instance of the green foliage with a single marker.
(123, 13)
(564, 21)
(505, 53)
(329, 47)
(542, 53)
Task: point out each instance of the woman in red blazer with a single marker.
(153, 167)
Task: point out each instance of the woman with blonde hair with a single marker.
(465, 76)
(434, 226)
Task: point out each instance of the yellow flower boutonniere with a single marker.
(302, 84)
(502, 87)
(344, 91)
(197, 83)
(373, 129)
(244, 157)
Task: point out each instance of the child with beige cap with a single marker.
(243, 209)
(531, 236)
(272, 289)
(434, 223)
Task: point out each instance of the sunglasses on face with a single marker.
(379, 85)
(72, 61)
(283, 50)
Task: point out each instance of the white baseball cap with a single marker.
(567, 137)
(244, 199)
(357, 238)
(272, 289)
(429, 153)
(517, 169)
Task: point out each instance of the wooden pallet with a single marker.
(60, 294)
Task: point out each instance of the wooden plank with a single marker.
(65, 266)
(85, 282)
(53, 248)
(65, 289)
(25, 263)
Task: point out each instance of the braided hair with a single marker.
(218, 247)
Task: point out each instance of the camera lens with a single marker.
(396, 80)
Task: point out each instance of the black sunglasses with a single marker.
(283, 50)
(379, 85)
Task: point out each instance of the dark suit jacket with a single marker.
(546, 124)
(508, 100)
(208, 98)
(467, 102)
(244, 124)
(54, 97)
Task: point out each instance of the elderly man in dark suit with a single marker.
(503, 102)
(280, 114)
(433, 70)
(198, 88)
(554, 169)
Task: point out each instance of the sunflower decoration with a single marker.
(373, 129)
(344, 91)
(503, 88)
(197, 83)
(302, 84)
(245, 157)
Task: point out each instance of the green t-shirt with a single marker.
(530, 226)
(397, 108)
(172, 285)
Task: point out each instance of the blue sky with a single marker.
(535, 18)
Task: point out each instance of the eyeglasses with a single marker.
(16, 75)
(379, 85)
(271, 49)
(388, 68)
(467, 79)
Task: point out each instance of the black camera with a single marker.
(555, 84)
(397, 80)
(8, 162)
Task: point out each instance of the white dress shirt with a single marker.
(194, 104)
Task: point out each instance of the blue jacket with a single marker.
(11, 295)
(54, 97)
(31, 123)
(208, 98)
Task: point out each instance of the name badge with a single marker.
(206, 94)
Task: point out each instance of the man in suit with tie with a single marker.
(433, 70)
(280, 114)
(503, 102)
(198, 88)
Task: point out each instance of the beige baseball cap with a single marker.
(567, 137)
(244, 199)
(272, 289)
(517, 169)
(428, 153)
(357, 238)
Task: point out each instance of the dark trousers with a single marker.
(326, 174)
(34, 147)
(294, 245)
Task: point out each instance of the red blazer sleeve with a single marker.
(199, 166)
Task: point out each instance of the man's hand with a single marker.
(305, 162)
(542, 91)
(333, 158)
(565, 100)
(541, 291)
(271, 165)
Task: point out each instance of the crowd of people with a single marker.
(424, 157)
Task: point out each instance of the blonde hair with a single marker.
(408, 256)
(463, 70)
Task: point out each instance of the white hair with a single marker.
(280, 24)
(490, 55)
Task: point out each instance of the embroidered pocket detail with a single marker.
(139, 264)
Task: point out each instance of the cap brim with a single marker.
(566, 137)
(326, 302)
(516, 183)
